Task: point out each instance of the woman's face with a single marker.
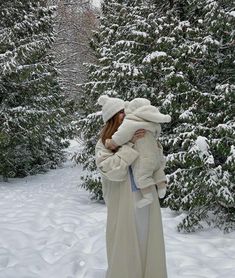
(121, 116)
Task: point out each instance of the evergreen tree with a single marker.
(120, 44)
(182, 59)
(32, 115)
(197, 86)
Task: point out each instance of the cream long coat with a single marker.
(125, 257)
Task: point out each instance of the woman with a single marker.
(134, 237)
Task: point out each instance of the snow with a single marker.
(96, 3)
(231, 156)
(186, 115)
(165, 39)
(201, 145)
(154, 55)
(139, 33)
(209, 40)
(232, 13)
(126, 43)
(126, 68)
(50, 228)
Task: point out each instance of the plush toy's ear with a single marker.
(102, 100)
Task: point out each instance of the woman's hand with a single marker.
(137, 135)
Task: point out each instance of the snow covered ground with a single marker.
(96, 3)
(50, 229)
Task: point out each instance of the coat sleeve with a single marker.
(114, 166)
(124, 133)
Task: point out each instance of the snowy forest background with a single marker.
(57, 57)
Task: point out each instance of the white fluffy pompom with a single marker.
(102, 100)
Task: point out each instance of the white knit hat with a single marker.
(110, 106)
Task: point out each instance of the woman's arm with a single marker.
(114, 165)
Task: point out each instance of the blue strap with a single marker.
(133, 184)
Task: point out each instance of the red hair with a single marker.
(110, 128)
